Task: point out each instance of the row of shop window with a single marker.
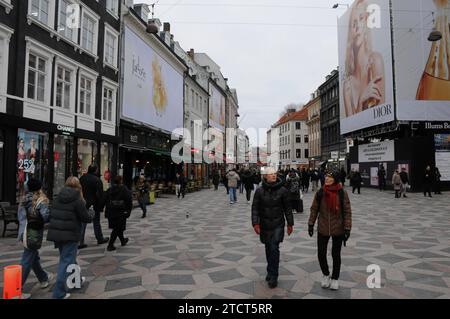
(33, 159)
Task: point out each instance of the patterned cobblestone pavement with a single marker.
(215, 254)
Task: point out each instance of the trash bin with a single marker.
(12, 282)
(151, 196)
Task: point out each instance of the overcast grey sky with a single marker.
(274, 52)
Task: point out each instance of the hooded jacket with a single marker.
(233, 179)
(67, 214)
(271, 207)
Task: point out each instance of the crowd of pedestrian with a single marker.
(278, 195)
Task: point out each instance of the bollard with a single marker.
(12, 282)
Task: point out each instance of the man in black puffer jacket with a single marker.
(66, 218)
(93, 194)
(271, 206)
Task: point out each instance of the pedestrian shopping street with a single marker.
(214, 252)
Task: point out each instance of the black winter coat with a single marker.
(356, 179)
(248, 180)
(117, 217)
(92, 190)
(66, 215)
(271, 206)
(216, 179)
(293, 186)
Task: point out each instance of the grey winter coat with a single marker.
(397, 182)
(233, 179)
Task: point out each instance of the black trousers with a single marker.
(356, 188)
(427, 189)
(248, 193)
(322, 246)
(114, 234)
(273, 258)
(437, 188)
(382, 184)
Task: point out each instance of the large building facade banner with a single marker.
(153, 88)
(422, 66)
(365, 66)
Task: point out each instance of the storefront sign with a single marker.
(66, 129)
(335, 155)
(377, 152)
(133, 138)
(437, 125)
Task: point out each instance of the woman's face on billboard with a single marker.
(359, 24)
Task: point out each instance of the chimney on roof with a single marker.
(166, 27)
(142, 10)
(191, 53)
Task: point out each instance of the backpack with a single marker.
(341, 200)
(34, 230)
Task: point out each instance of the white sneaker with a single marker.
(25, 296)
(45, 284)
(334, 284)
(326, 282)
(67, 296)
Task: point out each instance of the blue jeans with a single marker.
(97, 228)
(31, 260)
(233, 196)
(273, 259)
(67, 256)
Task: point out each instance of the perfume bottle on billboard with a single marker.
(435, 81)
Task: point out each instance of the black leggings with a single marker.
(114, 234)
(322, 246)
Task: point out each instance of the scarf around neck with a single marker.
(331, 197)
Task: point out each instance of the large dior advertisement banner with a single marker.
(365, 66)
